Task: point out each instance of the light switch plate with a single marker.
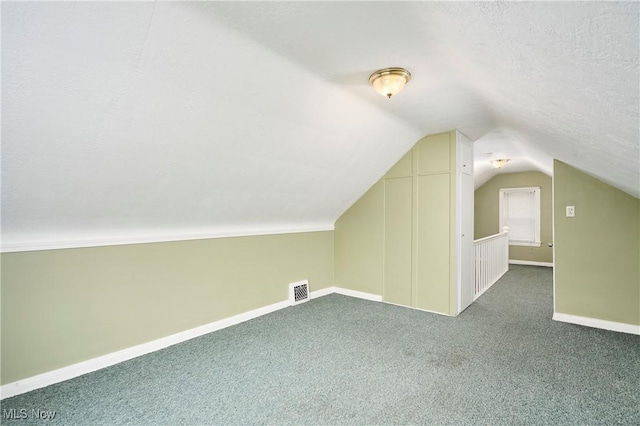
(571, 211)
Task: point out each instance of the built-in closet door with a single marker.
(467, 261)
(433, 243)
(426, 248)
(466, 255)
(397, 240)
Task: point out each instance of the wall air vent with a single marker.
(298, 292)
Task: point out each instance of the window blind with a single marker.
(520, 211)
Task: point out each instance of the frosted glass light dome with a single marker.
(389, 81)
(499, 163)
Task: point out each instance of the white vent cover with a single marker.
(299, 292)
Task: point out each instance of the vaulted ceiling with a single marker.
(167, 120)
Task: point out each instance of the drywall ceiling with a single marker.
(504, 143)
(167, 120)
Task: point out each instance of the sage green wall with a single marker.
(358, 239)
(60, 307)
(486, 212)
(597, 264)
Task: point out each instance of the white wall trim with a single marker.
(597, 323)
(358, 294)
(420, 309)
(322, 292)
(81, 368)
(126, 240)
(530, 263)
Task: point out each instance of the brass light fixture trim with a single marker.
(389, 81)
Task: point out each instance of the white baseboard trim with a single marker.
(81, 368)
(84, 367)
(530, 263)
(597, 323)
(358, 294)
(323, 292)
(418, 309)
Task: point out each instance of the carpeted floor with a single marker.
(340, 360)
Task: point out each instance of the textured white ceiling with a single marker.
(131, 120)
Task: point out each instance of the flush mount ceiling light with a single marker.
(499, 163)
(389, 81)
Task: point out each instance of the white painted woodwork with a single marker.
(465, 210)
(597, 323)
(491, 261)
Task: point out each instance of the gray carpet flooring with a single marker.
(341, 360)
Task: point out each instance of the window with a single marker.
(520, 211)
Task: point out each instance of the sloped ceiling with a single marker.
(168, 120)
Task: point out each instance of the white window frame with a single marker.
(535, 214)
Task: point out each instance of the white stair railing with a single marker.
(492, 260)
